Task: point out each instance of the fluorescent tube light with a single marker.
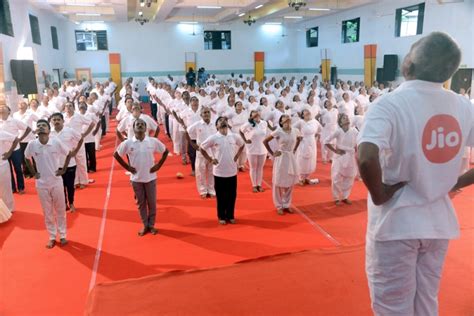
(88, 14)
(319, 9)
(259, 6)
(208, 7)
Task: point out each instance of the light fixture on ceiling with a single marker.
(296, 4)
(142, 3)
(208, 7)
(259, 6)
(250, 21)
(142, 20)
(187, 22)
(292, 17)
(88, 14)
(241, 14)
(273, 23)
(319, 9)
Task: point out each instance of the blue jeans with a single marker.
(16, 160)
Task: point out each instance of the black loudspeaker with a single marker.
(390, 66)
(379, 75)
(23, 72)
(333, 75)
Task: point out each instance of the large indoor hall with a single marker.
(237, 157)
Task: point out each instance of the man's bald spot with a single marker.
(434, 58)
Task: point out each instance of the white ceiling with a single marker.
(187, 10)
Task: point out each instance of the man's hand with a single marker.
(387, 192)
(37, 175)
(277, 153)
(340, 152)
(248, 141)
(132, 170)
(59, 173)
(214, 162)
(154, 169)
(7, 155)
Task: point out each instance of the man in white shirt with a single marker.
(126, 125)
(410, 151)
(73, 140)
(47, 171)
(140, 150)
(197, 133)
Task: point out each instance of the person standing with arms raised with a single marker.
(410, 151)
(141, 149)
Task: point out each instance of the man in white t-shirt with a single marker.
(47, 171)
(141, 149)
(410, 151)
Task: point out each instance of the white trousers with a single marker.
(256, 163)
(242, 159)
(54, 210)
(326, 154)
(81, 169)
(282, 196)
(6, 193)
(341, 186)
(404, 275)
(204, 176)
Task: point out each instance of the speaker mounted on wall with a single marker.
(390, 66)
(23, 72)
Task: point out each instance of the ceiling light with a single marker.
(293, 17)
(188, 22)
(208, 7)
(241, 14)
(142, 4)
(273, 23)
(319, 9)
(95, 21)
(140, 13)
(77, 23)
(88, 14)
(259, 6)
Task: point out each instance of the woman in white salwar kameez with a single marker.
(328, 120)
(306, 156)
(236, 121)
(8, 143)
(285, 167)
(344, 166)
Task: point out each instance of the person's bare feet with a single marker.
(72, 208)
(51, 244)
(260, 189)
(338, 202)
(280, 211)
(153, 230)
(63, 242)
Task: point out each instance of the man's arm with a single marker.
(371, 174)
(158, 165)
(464, 180)
(8, 154)
(27, 131)
(124, 164)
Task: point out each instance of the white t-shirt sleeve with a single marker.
(60, 146)
(470, 137)
(209, 142)
(123, 148)
(192, 130)
(159, 146)
(122, 127)
(377, 126)
(333, 135)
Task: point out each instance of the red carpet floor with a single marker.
(37, 281)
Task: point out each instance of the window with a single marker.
(35, 30)
(6, 26)
(409, 20)
(350, 30)
(54, 37)
(217, 40)
(312, 37)
(91, 40)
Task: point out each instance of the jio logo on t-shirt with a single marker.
(442, 138)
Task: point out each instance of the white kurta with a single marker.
(285, 168)
(306, 156)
